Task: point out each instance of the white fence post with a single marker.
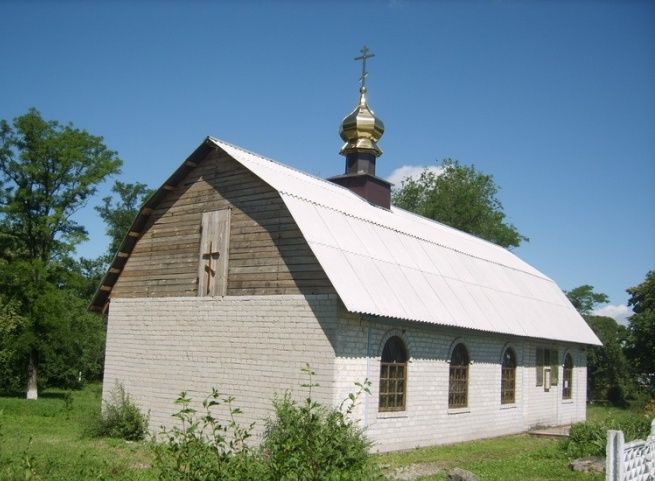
(614, 467)
(650, 442)
(633, 461)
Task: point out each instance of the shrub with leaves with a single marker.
(121, 418)
(590, 438)
(202, 448)
(309, 442)
(302, 442)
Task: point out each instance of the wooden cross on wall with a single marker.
(209, 269)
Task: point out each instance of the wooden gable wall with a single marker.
(267, 253)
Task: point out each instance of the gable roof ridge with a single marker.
(321, 181)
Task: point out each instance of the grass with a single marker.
(46, 439)
(506, 458)
(597, 413)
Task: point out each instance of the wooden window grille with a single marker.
(458, 379)
(393, 375)
(508, 377)
(567, 375)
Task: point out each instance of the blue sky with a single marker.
(555, 99)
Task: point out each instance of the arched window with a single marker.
(567, 374)
(459, 378)
(508, 377)
(393, 375)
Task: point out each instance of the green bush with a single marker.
(590, 438)
(302, 442)
(202, 448)
(121, 418)
(309, 442)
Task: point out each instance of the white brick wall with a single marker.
(248, 347)
(427, 419)
(253, 347)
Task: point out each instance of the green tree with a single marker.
(584, 299)
(609, 376)
(82, 276)
(48, 171)
(460, 197)
(119, 215)
(641, 338)
(12, 359)
(607, 366)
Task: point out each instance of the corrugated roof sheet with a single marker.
(397, 264)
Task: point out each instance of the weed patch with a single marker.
(303, 441)
(590, 438)
(121, 418)
(202, 448)
(309, 441)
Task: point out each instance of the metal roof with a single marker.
(397, 264)
(394, 263)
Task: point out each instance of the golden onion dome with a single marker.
(361, 129)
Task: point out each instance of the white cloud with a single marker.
(413, 171)
(619, 313)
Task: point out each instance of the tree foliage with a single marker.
(608, 371)
(584, 299)
(12, 357)
(48, 172)
(460, 197)
(120, 213)
(641, 339)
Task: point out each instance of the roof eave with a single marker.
(101, 297)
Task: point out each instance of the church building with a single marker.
(239, 270)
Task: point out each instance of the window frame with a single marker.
(391, 373)
(547, 367)
(458, 378)
(567, 377)
(507, 377)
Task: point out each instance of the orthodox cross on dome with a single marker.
(365, 55)
(209, 269)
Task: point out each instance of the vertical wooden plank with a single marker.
(214, 253)
(223, 218)
(204, 247)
